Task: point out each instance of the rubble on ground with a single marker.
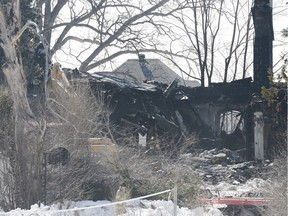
(224, 170)
(227, 174)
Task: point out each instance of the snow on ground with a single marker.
(231, 182)
(250, 189)
(139, 208)
(144, 207)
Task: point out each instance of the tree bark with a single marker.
(27, 150)
(28, 134)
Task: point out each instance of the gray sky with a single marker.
(280, 18)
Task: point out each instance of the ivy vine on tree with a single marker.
(276, 94)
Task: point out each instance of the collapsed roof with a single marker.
(167, 106)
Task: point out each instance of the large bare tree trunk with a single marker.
(27, 130)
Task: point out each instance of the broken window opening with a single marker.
(230, 120)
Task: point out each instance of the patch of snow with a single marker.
(138, 208)
(220, 155)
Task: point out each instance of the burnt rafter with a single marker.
(236, 92)
(137, 103)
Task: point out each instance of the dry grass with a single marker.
(277, 188)
(146, 174)
(73, 119)
(70, 120)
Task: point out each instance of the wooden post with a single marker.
(259, 136)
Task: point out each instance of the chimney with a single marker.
(143, 65)
(141, 58)
(264, 36)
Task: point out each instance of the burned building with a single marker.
(153, 102)
(153, 105)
